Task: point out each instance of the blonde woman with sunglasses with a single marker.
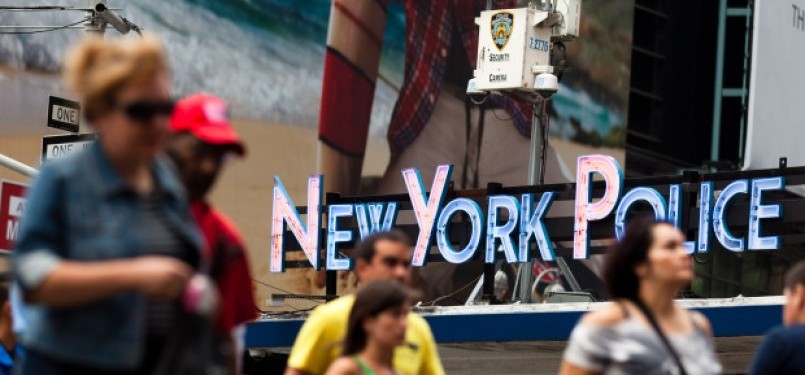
(106, 245)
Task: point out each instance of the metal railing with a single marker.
(18, 166)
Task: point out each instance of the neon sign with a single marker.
(284, 211)
(511, 223)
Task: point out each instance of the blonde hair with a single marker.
(97, 69)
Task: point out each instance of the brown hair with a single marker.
(622, 258)
(366, 248)
(372, 299)
(96, 69)
(796, 275)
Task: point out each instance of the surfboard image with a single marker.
(351, 62)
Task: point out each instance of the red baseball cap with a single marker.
(207, 117)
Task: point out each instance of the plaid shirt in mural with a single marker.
(430, 25)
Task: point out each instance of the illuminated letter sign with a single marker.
(723, 234)
(284, 211)
(759, 211)
(533, 225)
(501, 232)
(334, 236)
(705, 206)
(675, 217)
(372, 224)
(476, 221)
(426, 208)
(653, 197)
(587, 211)
(513, 218)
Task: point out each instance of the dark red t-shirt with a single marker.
(229, 267)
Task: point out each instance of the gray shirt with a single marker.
(159, 237)
(631, 347)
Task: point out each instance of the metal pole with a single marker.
(536, 162)
(744, 92)
(94, 24)
(717, 96)
(17, 166)
(543, 145)
(536, 175)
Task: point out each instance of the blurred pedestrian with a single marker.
(381, 256)
(376, 326)
(201, 141)
(643, 331)
(10, 349)
(782, 351)
(107, 244)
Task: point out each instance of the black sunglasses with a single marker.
(145, 110)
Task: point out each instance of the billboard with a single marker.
(776, 88)
(270, 58)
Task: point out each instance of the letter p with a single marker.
(586, 210)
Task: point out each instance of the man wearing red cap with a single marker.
(202, 139)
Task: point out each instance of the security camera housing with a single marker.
(476, 95)
(546, 84)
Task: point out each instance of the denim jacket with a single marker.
(80, 209)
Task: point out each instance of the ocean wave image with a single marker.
(266, 58)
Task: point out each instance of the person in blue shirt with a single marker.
(782, 351)
(9, 348)
(106, 245)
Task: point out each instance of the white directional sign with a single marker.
(63, 114)
(59, 146)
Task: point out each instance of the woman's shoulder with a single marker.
(608, 315)
(701, 322)
(344, 366)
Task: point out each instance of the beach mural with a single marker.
(266, 58)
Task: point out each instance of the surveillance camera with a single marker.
(476, 95)
(546, 84)
(120, 24)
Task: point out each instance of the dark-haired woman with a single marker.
(644, 331)
(377, 325)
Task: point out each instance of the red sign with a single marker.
(12, 206)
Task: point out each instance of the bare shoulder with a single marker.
(701, 322)
(607, 315)
(343, 366)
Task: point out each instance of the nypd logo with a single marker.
(501, 25)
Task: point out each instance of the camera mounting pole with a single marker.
(514, 58)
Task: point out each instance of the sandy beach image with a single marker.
(272, 79)
(244, 191)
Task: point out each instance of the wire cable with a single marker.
(41, 7)
(495, 113)
(294, 310)
(44, 30)
(285, 291)
(451, 295)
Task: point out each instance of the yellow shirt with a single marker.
(319, 342)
